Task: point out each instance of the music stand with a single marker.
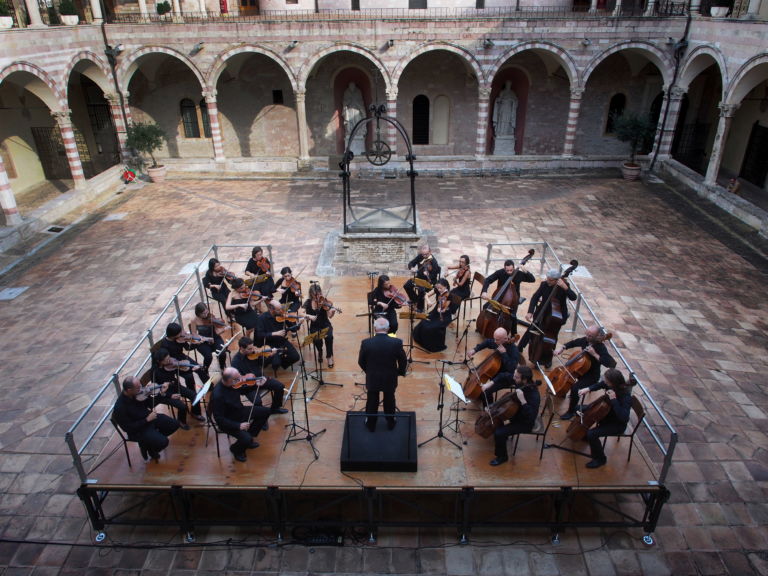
(457, 391)
(297, 431)
(411, 315)
(310, 339)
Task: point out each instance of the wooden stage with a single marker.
(276, 473)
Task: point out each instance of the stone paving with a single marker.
(685, 298)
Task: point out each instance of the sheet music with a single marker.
(455, 388)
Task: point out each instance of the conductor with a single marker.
(382, 358)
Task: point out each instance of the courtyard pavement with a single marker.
(681, 285)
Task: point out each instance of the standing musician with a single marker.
(426, 268)
(271, 330)
(382, 358)
(214, 280)
(140, 422)
(250, 361)
(619, 394)
(540, 300)
(320, 310)
(524, 420)
(510, 356)
(289, 289)
(177, 343)
(430, 333)
(209, 326)
(462, 280)
(500, 277)
(240, 303)
(241, 422)
(386, 300)
(257, 266)
(592, 344)
(166, 372)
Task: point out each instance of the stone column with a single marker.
(617, 8)
(203, 11)
(117, 119)
(98, 17)
(667, 132)
(7, 199)
(176, 8)
(723, 126)
(68, 136)
(593, 6)
(143, 8)
(695, 7)
(33, 9)
(391, 131)
(213, 120)
(650, 8)
(752, 10)
(301, 119)
(481, 133)
(574, 109)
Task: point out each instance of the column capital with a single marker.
(301, 95)
(484, 92)
(210, 96)
(111, 97)
(676, 92)
(577, 93)
(392, 94)
(62, 117)
(727, 110)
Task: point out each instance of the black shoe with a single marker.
(254, 444)
(154, 455)
(370, 423)
(548, 365)
(279, 411)
(391, 424)
(567, 416)
(265, 427)
(498, 461)
(240, 457)
(183, 425)
(144, 454)
(596, 463)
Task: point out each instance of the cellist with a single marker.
(500, 277)
(592, 344)
(510, 357)
(524, 420)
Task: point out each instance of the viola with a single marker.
(263, 352)
(491, 318)
(193, 338)
(289, 318)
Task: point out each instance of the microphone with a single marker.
(313, 282)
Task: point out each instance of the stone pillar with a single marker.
(617, 8)
(574, 109)
(695, 7)
(68, 137)
(176, 8)
(98, 17)
(143, 8)
(391, 131)
(481, 134)
(650, 8)
(593, 6)
(7, 199)
(752, 10)
(723, 126)
(33, 9)
(117, 119)
(126, 103)
(301, 119)
(203, 11)
(213, 120)
(667, 132)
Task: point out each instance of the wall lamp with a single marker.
(292, 44)
(586, 42)
(114, 51)
(390, 43)
(670, 41)
(197, 48)
(488, 43)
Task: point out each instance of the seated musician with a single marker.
(500, 277)
(177, 343)
(510, 356)
(524, 420)
(430, 333)
(241, 422)
(165, 371)
(215, 281)
(207, 325)
(255, 367)
(140, 422)
(273, 332)
(592, 344)
(319, 311)
(259, 266)
(426, 268)
(463, 278)
(619, 394)
(240, 303)
(540, 306)
(386, 300)
(289, 289)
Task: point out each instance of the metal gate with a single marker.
(754, 168)
(53, 155)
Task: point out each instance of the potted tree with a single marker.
(146, 138)
(635, 129)
(163, 8)
(6, 18)
(68, 13)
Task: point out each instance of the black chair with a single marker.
(212, 425)
(639, 411)
(539, 429)
(124, 438)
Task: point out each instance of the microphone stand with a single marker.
(312, 338)
(411, 345)
(299, 432)
(440, 405)
(464, 337)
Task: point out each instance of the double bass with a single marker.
(500, 312)
(565, 376)
(543, 341)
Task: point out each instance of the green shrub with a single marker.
(145, 138)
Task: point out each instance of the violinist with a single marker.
(259, 266)
(140, 422)
(462, 281)
(541, 306)
(524, 420)
(240, 303)
(386, 300)
(165, 372)
(501, 276)
(241, 422)
(272, 330)
(207, 325)
(249, 361)
(177, 344)
(214, 280)
(592, 344)
(289, 289)
(426, 268)
(510, 356)
(320, 310)
(619, 396)
(430, 333)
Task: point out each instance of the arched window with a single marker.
(189, 119)
(204, 118)
(421, 120)
(615, 108)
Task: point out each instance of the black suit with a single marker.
(382, 358)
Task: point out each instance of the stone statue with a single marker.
(505, 112)
(353, 110)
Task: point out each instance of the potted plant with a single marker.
(68, 13)
(635, 129)
(6, 18)
(146, 138)
(163, 7)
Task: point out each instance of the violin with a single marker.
(263, 352)
(249, 381)
(327, 305)
(193, 338)
(294, 286)
(149, 391)
(462, 271)
(252, 295)
(289, 318)
(263, 265)
(399, 298)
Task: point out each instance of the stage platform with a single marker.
(282, 484)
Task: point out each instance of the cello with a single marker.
(479, 375)
(544, 339)
(596, 411)
(565, 376)
(504, 408)
(501, 310)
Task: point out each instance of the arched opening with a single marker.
(616, 108)
(420, 127)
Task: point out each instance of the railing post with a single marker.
(70, 440)
(576, 309)
(116, 382)
(178, 307)
(488, 259)
(149, 338)
(668, 458)
(543, 258)
(200, 288)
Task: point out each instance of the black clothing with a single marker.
(501, 276)
(523, 421)
(321, 323)
(162, 376)
(430, 333)
(538, 301)
(131, 415)
(207, 349)
(462, 292)
(229, 413)
(614, 423)
(290, 300)
(267, 287)
(216, 286)
(255, 367)
(390, 313)
(176, 351)
(246, 317)
(382, 358)
(265, 326)
(592, 376)
(504, 378)
(429, 271)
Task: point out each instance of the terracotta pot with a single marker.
(157, 174)
(630, 171)
(70, 19)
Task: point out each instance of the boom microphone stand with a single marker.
(311, 339)
(299, 432)
(440, 404)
